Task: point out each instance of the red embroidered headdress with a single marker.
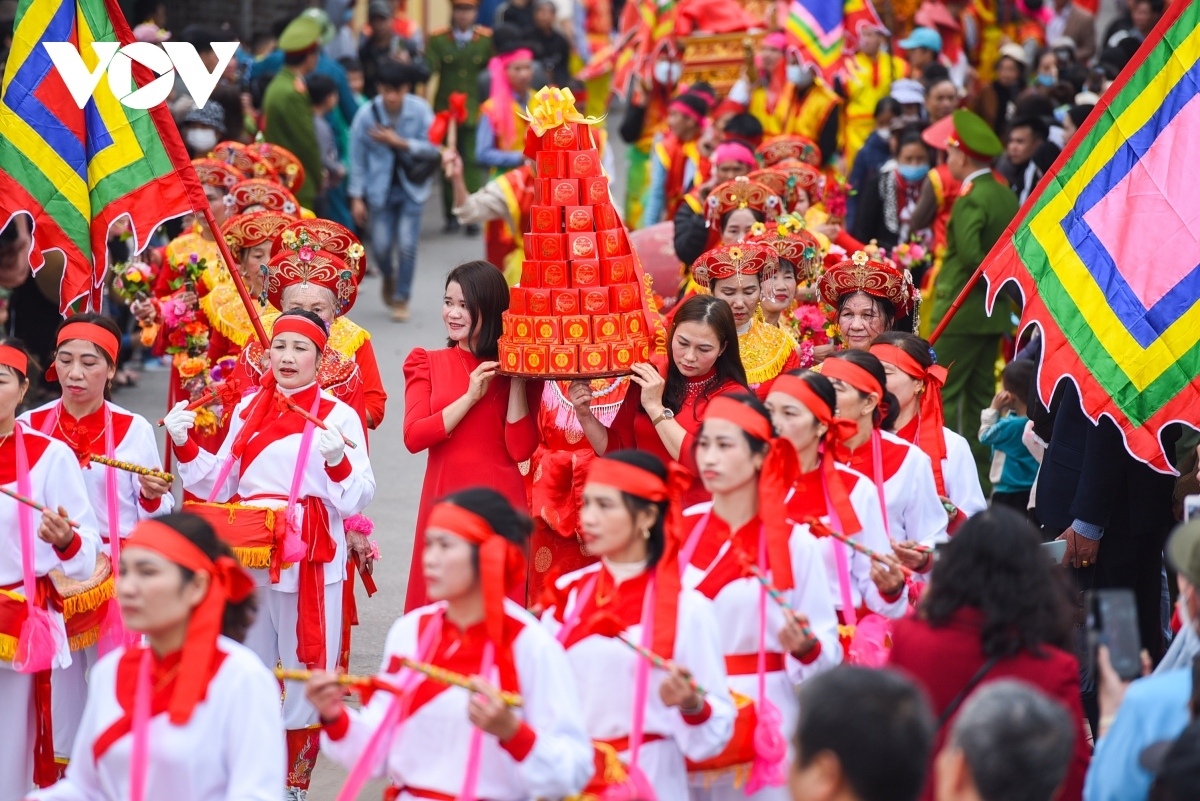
(260, 192)
(860, 273)
(727, 261)
(789, 146)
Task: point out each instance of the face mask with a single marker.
(1046, 80)
(799, 75)
(913, 172)
(667, 73)
(201, 140)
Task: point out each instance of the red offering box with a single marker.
(594, 300)
(579, 218)
(622, 355)
(612, 243)
(577, 330)
(616, 270)
(510, 357)
(545, 219)
(516, 305)
(624, 298)
(583, 164)
(593, 358)
(564, 302)
(582, 245)
(564, 359)
(594, 191)
(546, 247)
(633, 325)
(531, 273)
(550, 164)
(606, 328)
(555, 275)
(643, 350)
(568, 136)
(563, 192)
(522, 330)
(606, 216)
(534, 359)
(585, 272)
(506, 325)
(537, 301)
(546, 331)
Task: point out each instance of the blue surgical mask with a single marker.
(912, 172)
(1046, 80)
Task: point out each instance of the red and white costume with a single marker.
(950, 456)
(197, 724)
(54, 481)
(328, 495)
(430, 749)
(718, 563)
(132, 440)
(232, 748)
(605, 669)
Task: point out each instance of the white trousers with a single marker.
(721, 788)
(16, 746)
(70, 693)
(273, 638)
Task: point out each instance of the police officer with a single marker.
(457, 55)
(287, 110)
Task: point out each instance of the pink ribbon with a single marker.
(139, 758)
(475, 748)
(770, 747)
(112, 629)
(40, 637)
(293, 549)
(393, 717)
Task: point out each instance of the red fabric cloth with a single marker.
(483, 449)
(942, 661)
(374, 395)
(713, 16)
(631, 428)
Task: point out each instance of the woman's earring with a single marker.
(646, 533)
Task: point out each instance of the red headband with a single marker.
(11, 357)
(840, 430)
(775, 479)
(227, 582)
(684, 108)
(295, 324)
(741, 415)
(501, 566)
(644, 484)
(627, 478)
(88, 332)
(734, 151)
(852, 374)
(931, 418)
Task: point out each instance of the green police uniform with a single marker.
(288, 111)
(970, 344)
(458, 67)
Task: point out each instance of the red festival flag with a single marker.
(75, 171)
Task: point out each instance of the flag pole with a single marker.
(237, 277)
(962, 296)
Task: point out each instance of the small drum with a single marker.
(253, 532)
(740, 751)
(85, 603)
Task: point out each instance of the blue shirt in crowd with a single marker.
(1020, 468)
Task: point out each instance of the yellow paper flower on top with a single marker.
(550, 107)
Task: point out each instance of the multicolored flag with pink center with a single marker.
(1107, 250)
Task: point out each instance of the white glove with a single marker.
(332, 446)
(178, 422)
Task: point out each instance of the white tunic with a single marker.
(864, 498)
(137, 446)
(605, 669)
(430, 750)
(232, 748)
(961, 475)
(737, 603)
(55, 481)
(914, 510)
(265, 480)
